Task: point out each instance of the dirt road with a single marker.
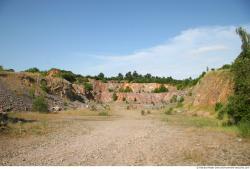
(129, 139)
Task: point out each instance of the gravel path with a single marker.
(131, 139)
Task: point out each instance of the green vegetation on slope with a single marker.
(160, 89)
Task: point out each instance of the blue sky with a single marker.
(176, 38)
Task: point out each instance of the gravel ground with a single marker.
(130, 139)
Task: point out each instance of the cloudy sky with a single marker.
(162, 37)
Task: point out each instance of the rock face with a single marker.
(17, 91)
(215, 87)
(53, 72)
(141, 92)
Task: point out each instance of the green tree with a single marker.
(33, 70)
(120, 77)
(239, 104)
(160, 89)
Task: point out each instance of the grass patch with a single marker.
(103, 113)
(200, 122)
(169, 111)
(244, 129)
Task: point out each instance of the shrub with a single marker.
(218, 106)
(110, 90)
(168, 111)
(88, 87)
(148, 112)
(32, 92)
(142, 112)
(33, 70)
(1, 68)
(123, 99)
(103, 113)
(114, 96)
(190, 93)
(68, 75)
(160, 89)
(126, 90)
(40, 104)
(43, 86)
(181, 99)
(173, 99)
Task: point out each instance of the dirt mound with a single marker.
(215, 86)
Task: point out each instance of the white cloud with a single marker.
(187, 54)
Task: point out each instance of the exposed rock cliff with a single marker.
(215, 86)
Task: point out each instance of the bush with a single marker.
(40, 104)
(124, 99)
(43, 86)
(114, 96)
(173, 99)
(126, 90)
(218, 106)
(160, 89)
(103, 113)
(88, 87)
(142, 112)
(69, 76)
(148, 112)
(169, 111)
(244, 128)
(180, 99)
(110, 90)
(32, 92)
(1, 68)
(33, 70)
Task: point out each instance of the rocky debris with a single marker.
(56, 109)
(10, 101)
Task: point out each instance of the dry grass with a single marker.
(42, 123)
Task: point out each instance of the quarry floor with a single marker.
(126, 138)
